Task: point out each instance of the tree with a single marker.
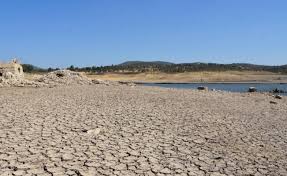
(28, 68)
(72, 68)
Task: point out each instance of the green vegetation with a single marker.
(34, 69)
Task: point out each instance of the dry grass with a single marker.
(32, 76)
(228, 76)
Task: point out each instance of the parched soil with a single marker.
(123, 130)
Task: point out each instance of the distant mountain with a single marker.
(133, 63)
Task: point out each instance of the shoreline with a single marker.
(284, 93)
(236, 82)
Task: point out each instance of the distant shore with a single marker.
(226, 77)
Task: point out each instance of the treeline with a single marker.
(139, 67)
(33, 69)
(179, 68)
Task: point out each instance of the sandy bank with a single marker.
(193, 77)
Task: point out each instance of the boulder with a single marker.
(278, 96)
(252, 89)
(202, 88)
(278, 91)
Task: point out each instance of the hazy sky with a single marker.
(59, 33)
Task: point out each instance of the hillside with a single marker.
(167, 67)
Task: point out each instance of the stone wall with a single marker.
(14, 68)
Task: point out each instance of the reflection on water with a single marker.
(232, 87)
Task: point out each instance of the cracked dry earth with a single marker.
(121, 130)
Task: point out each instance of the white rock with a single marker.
(95, 131)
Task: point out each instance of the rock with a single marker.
(99, 81)
(95, 131)
(67, 157)
(134, 153)
(202, 88)
(166, 171)
(278, 91)
(273, 102)
(278, 96)
(19, 172)
(252, 89)
(199, 141)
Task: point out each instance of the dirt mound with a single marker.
(52, 79)
(64, 77)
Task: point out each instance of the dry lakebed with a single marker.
(124, 130)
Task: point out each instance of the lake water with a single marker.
(231, 87)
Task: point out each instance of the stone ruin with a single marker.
(11, 69)
(11, 74)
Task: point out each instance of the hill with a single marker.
(135, 63)
(167, 67)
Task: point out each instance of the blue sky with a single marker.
(58, 33)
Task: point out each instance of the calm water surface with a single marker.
(231, 87)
